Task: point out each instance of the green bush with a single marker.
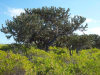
(14, 64)
(5, 47)
(57, 61)
(44, 62)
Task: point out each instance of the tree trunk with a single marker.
(77, 50)
(47, 48)
(70, 52)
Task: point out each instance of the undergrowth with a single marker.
(57, 61)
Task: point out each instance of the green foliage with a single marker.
(44, 62)
(96, 40)
(14, 64)
(57, 61)
(5, 47)
(75, 42)
(44, 25)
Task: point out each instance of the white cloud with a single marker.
(15, 11)
(95, 30)
(89, 20)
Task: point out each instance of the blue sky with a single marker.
(87, 8)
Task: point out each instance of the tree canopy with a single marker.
(42, 26)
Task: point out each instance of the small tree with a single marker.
(96, 40)
(42, 26)
(76, 42)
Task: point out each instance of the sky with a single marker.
(90, 9)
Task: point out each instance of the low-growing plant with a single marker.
(57, 61)
(14, 64)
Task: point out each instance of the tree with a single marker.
(43, 26)
(75, 42)
(96, 40)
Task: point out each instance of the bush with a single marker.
(44, 62)
(57, 61)
(14, 64)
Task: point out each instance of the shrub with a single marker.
(57, 61)
(14, 64)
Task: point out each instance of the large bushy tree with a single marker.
(43, 26)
